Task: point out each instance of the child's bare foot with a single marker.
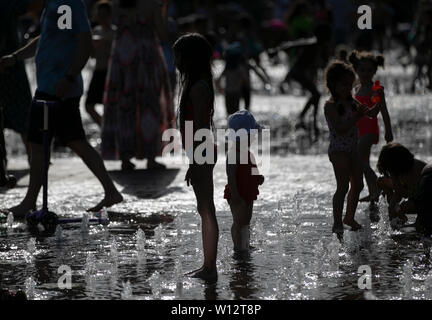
(204, 274)
(355, 226)
(107, 202)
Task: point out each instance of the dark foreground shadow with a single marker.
(146, 184)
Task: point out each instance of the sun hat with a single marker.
(241, 120)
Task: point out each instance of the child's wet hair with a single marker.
(334, 72)
(395, 159)
(356, 57)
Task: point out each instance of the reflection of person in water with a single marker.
(406, 177)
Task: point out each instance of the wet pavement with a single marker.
(294, 255)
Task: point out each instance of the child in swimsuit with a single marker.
(365, 65)
(243, 178)
(342, 113)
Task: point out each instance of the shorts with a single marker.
(64, 120)
(97, 87)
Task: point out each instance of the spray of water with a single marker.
(140, 244)
(156, 285)
(114, 254)
(30, 286)
(58, 233)
(85, 223)
(10, 220)
(406, 279)
(127, 291)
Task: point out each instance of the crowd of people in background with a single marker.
(138, 45)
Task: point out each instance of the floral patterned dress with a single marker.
(138, 100)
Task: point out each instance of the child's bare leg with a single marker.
(94, 162)
(356, 180)
(242, 215)
(365, 145)
(341, 171)
(210, 231)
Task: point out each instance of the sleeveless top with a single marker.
(347, 142)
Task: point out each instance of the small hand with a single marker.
(62, 87)
(388, 137)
